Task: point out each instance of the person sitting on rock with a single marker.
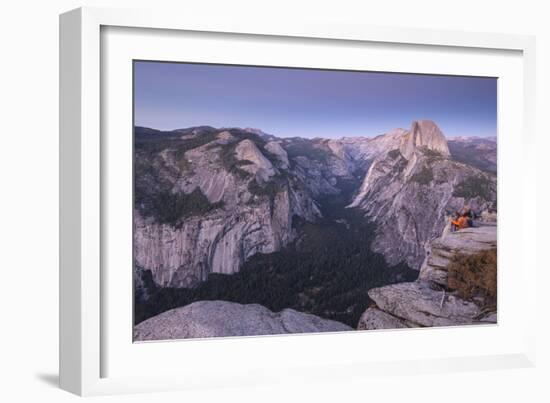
(469, 214)
(454, 221)
(463, 221)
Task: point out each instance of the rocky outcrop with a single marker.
(410, 190)
(420, 304)
(274, 147)
(259, 165)
(374, 318)
(225, 319)
(429, 301)
(466, 241)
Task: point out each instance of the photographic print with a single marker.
(274, 200)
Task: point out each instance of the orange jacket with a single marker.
(462, 222)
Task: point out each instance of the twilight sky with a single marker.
(309, 103)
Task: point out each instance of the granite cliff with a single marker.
(206, 202)
(413, 186)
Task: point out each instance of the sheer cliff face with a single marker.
(218, 242)
(412, 188)
(232, 196)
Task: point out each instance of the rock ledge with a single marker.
(225, 319)
(428, 301)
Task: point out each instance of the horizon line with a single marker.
(250, 128)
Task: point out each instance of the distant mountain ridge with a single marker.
(149, 130)
(474, 150)
(480, 152)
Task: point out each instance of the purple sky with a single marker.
(309, 103)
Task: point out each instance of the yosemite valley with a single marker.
(313, 231)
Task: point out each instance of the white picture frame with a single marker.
(85, 343)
